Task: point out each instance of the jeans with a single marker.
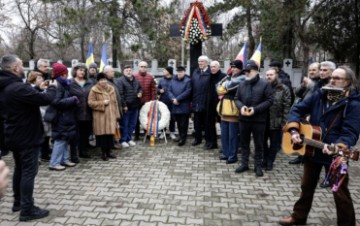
(229, 139)
(127, 124)
(60, 153)
(26, 168)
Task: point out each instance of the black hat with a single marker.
(100, 76)
(251, 65)
(276, 64)
(170, 70)
(237, 63)
(180, 68)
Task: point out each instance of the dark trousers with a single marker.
(344, 206)
(3, 149)
(271, 150)
(182, 121)
(82, 139)
(26, 168)
(210, 129)
(45, 148)
(199, 124)
(257, 129)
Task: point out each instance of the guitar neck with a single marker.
(314, 143)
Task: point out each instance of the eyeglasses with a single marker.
(143, 66)
(337, 78)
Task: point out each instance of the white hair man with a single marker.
(326, 69)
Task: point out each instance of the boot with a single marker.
(104, 155)
(110, 155)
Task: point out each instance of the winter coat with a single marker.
(200, 89)
(83, 111)
(104, 117)
(46, 125)
(226, 89)
(111, 82)
(19, 107)
(285, 79)
(148, 87)
(213, 99)
(343, 116)
(64, 127)
(128, 90)
(164, 83)
(180, 89)
(256, 93)
(280, 108)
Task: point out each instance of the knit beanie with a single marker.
(170, 70)
(93, 65)
(58, 70)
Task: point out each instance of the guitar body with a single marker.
(306, 131)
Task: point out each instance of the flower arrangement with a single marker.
(195, 25)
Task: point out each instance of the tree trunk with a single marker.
(82, 48)
(249, 29)
(115, 31)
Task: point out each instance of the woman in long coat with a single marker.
(102, 99)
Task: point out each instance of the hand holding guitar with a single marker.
(295, 137)
(330, 149)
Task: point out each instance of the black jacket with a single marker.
(200, 90)
(83, 111)
(64, 128)
(285, 79)
(128, 90)
(19, 104)
(256, 93)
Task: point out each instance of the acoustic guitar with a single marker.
(311, 136)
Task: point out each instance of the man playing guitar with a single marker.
(336, 110)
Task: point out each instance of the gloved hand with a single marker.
(76, 99)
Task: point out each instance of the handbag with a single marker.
(51, 114)
(117, 134)
(227, 107)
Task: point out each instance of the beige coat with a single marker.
(104, 117)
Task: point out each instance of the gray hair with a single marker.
(8, 61)
(143, 62)
(331, 65)
(215, 62)
(107, 67)
(41, 61)
(204, 58)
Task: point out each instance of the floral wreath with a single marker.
(154, 116)
(195, 25)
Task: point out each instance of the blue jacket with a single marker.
(346, 127)
(200, 90)
(164, 83)
(181, 91)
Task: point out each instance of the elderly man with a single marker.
(148, 86)
(216, 76)
(24, 133)
(43, 66)
(92, 73)
(326, 68)
(336, 111)
(200, 81)
(253, 98)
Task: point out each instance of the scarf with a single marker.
(334, 96)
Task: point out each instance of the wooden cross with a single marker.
(195, 50)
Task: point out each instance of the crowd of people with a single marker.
(65, 112)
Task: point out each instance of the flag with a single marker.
(90, 54)
(257, 55)
(242, 55)
(104, 60)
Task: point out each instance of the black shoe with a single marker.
(34, 213)
(269, 167)
(181, 143)
(75, 160)
(104, 156)
(85, 156)
(195, 143)
(259, 172)
(16, 207)
(324, 184)
(231, 161)
(210, 146)
(264, 163)
(297, 160)
(223, 157)
(111, 156)
(45, 158)
(241, 169)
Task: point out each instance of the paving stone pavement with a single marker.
(167, 185)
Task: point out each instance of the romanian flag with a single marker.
(104, 60)
(242, 55)
(257, 55)
(90, 54)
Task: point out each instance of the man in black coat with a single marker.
(253, 98)
(24, 132)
